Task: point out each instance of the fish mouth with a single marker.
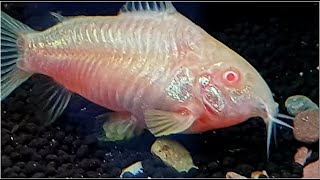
(271, 121)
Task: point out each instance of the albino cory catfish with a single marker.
(149, 64)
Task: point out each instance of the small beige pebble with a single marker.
(306, 126)
(173, 154)
(257, 174)
(312, 170)
(302, 155)
(233, 175)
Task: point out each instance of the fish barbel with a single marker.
(150, 64)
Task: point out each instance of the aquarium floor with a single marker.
(67, 148)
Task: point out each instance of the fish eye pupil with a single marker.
(230, 76)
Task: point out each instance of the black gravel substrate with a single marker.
(281, 40)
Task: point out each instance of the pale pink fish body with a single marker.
(122, 63)
(126, 62)
(166, 71)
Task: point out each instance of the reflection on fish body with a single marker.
(149, 62)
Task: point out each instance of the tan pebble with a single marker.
(302, 155)
(173, 154)
(307, 130)
(257, 174)
(312, 170)
(233, 175)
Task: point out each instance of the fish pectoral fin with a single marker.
(162, 123)
(51, 100)
(117, 126)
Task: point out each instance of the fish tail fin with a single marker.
(11, 75)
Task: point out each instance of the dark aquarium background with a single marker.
(281, 40)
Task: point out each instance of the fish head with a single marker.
(232, 90)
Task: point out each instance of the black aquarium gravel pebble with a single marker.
(279, 39)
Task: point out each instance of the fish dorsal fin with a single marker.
(153, 6)
(59, 17)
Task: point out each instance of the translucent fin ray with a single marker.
(277, 121)
(143, 6)
(269, 133)
(58, 16)
(11, 75)
(284, 116)
(9, 56)
(162, 123)
(271, 129)
(12, 81)
(52, 101)
(7, 33)
(8, 39)
(9, 50)
(8, 44)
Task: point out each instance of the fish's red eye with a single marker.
(231, 76)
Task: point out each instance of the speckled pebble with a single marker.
(38, 142)
(50, 169)
(60, 135)
(106, 175)
(245, 169)
(16, 168)
(8, 149)
(15, 156)
(22, 175)
(36, 157)
(82, 151)
(93, 174)
(99, 154)
(7, 171)
(13, 175)
(217, 175)
(115, 172)
(51, 157)
(213, 166)
(306, 126)
(89, 140)
(5, 161)
(68, 139)
(38, 175)
(228, 161)
(20, 164)
(43, 152)
(31, 128)
(32, 167)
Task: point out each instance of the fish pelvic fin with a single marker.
(145, 6)
(51, 100)
(117, 126)
(11, 53)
